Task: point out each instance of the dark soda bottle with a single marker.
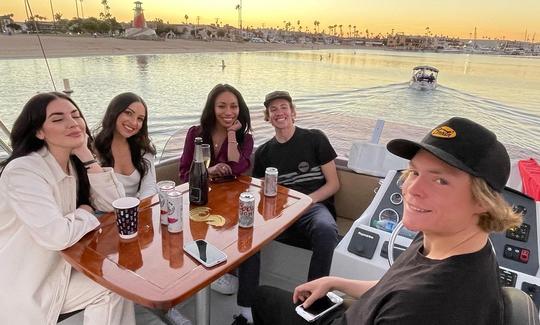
(198, 177)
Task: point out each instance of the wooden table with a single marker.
(153, 270)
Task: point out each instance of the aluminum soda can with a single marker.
(246, 210)
(270, 181)
(164, 187)
(174, 211)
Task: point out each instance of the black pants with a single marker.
(315, 230)
(274, 306)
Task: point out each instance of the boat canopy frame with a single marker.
(426, 67)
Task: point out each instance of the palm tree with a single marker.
(77, 7)
(105, 14)
(350, 34)
(52, 13)
(341, 30)
(82, 10)
(186, 17)
(239, 8)
(316, 23)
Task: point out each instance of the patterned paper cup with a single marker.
(127, 215)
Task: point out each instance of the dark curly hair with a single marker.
(208, 116)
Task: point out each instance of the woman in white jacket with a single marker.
(49, 188)
(123, 143)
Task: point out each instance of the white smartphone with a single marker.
(204, 252)
(320, 307)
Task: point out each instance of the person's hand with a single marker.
(235, 126)
(82, 152)
(308, 292)
(220, 169)
(86, 207)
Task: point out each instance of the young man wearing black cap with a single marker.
(448, 275)
(305, 162)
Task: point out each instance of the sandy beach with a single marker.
(23, 46)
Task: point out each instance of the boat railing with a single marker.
(174, 145)
(4, 132)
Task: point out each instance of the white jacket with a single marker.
(38, 218)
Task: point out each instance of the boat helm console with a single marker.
(363, 252)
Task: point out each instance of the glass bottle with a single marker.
(198, 177)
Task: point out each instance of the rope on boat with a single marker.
(27, 3)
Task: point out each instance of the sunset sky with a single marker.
(493, 18)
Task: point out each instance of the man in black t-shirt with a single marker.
(448, 275)
(305, 162)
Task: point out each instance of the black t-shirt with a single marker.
(416, 290)
(298, 160)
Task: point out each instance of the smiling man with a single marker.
(305, 162)
(448, 275)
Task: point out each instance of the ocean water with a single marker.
(342, 92)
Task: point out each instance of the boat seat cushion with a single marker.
(519, 309)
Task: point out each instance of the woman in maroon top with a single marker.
(226, 126)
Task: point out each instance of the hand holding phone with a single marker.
(204, 252)
(319, 307)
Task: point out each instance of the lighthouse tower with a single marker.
(138, 18)
(139, 29)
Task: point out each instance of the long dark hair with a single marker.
(139, 144)
(24, 141)
(208, 116)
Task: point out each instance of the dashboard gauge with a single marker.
(389, 214)
(396, 198)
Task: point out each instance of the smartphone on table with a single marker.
(320, 307)
(204, 252)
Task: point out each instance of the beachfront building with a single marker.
(412, 42)
(5, 23)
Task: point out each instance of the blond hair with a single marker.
(499, 215)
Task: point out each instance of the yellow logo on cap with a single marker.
(444, 132)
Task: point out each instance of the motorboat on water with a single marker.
(424, 77)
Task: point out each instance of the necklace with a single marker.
(449, 251)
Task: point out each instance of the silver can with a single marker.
(174, 211)
(164, 187)
(246, 210)
(270, 181)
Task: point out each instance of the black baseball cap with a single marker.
(465, 145)
(275, 95)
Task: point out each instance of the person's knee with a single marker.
(324, 225)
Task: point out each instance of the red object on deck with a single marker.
(530, 176)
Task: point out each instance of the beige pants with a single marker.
(101, 306)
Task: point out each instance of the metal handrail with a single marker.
(3, 144)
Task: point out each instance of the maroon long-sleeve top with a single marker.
(245, 148)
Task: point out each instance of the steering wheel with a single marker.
(391, 243)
